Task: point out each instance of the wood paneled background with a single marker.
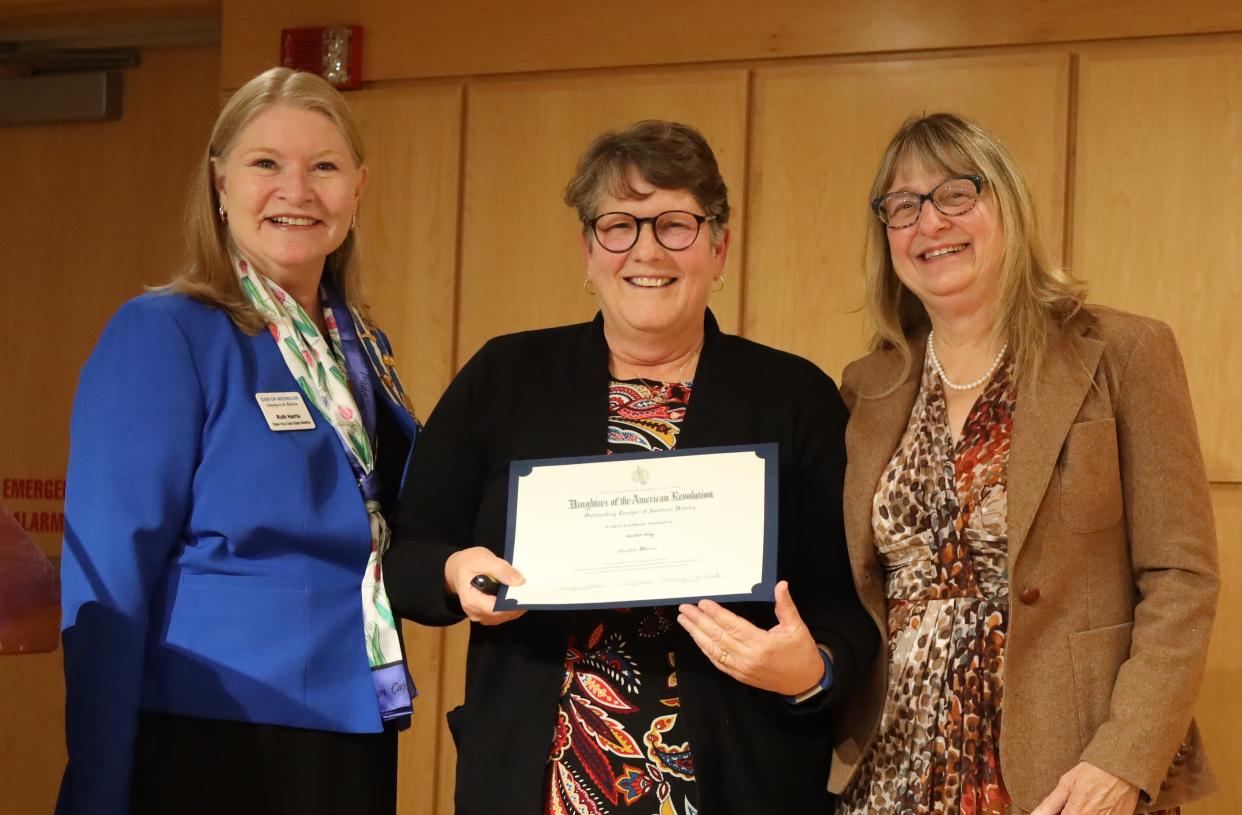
(1124, 115)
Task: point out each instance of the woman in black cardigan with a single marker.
(704, 708)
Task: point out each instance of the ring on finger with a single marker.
(724, 656)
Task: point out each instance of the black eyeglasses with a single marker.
(953, 196)
(675, 229)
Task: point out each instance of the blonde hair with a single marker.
(1032, 288)
(208, 273)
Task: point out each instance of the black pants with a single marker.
(187, 766)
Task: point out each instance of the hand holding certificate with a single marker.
(643, 529)
(473, 575)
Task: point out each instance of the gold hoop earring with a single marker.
(353, 222)
(718, 285)
(224, 215)
(588, 286)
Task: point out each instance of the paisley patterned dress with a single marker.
(618, 745)
(941, 530)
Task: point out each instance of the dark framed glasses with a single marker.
(953, 196)
(675, 230)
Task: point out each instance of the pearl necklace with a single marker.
(969, 386)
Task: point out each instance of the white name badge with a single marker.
(285, 411)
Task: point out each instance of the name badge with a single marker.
(285, 411)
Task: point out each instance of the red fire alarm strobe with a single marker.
(333, 52)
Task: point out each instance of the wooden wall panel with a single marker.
(407, 40)
(1220, 706)
(809, 184)
(408, 229)
(522, 261)
(97, 218)
(1156, 211)
(408, 224)
(27, 14)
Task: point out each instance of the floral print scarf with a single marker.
(318, 364)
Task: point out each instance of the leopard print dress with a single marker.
(940, 521)
(939, 517)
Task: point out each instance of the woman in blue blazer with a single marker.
(236, 440)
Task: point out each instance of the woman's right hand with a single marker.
(460, 569)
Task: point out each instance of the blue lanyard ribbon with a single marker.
(362, 379)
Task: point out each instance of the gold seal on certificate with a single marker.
(643, 529)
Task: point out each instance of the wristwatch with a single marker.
(824, 683)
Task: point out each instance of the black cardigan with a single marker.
(544, 394)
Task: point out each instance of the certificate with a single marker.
(643, 529)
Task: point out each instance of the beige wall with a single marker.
(91, 213)
(1120, 113)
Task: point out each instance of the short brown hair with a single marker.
(208, 273)
(1032, 287)
(668, 155)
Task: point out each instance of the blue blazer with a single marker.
(211, 566)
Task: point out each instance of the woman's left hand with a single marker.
(783, 659)
(1088, 790)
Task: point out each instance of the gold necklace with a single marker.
(693, 355)
(662, 390)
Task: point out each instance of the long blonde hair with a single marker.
(208, 271)
(1032, 287)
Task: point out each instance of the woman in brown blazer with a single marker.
(1027, 513)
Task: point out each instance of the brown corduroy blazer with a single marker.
(1112, 559)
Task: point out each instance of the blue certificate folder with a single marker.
(762, 591)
